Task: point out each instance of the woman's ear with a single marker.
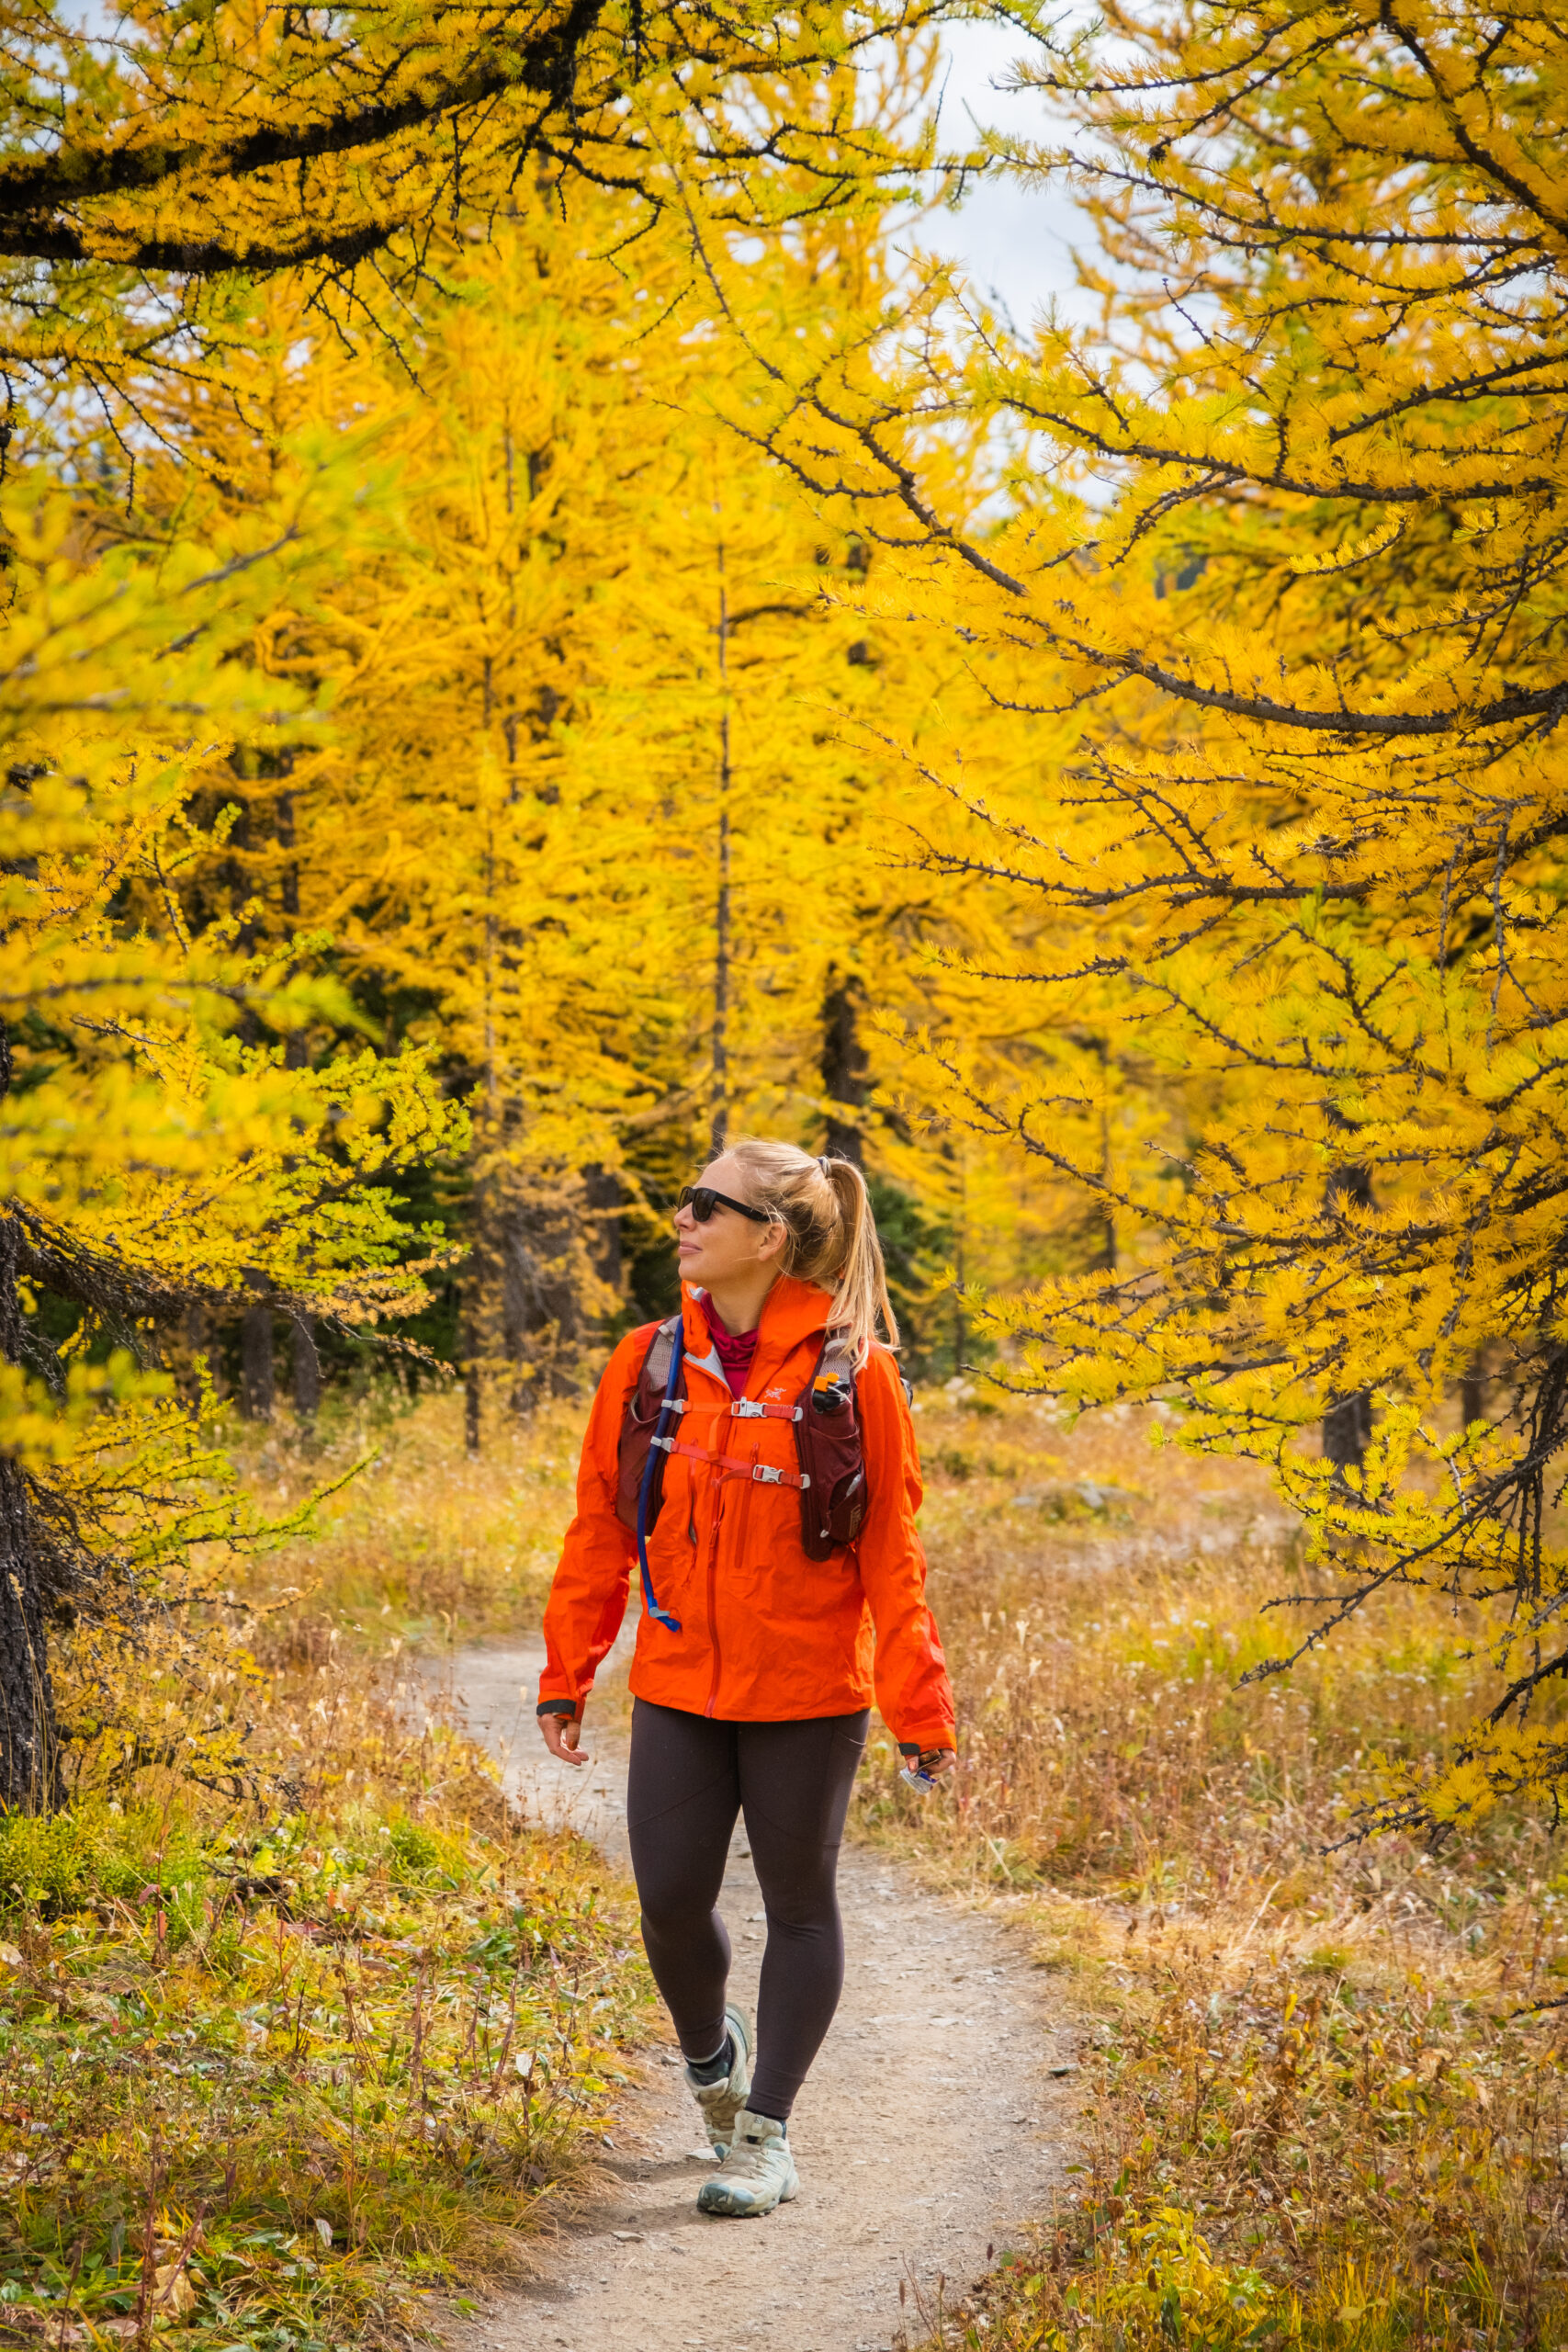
(772, 1239)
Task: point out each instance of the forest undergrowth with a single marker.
(1323, 2096)
(288, 2064)
(1323, 2082)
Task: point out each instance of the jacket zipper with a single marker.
(719, 1484)
(713, 1586)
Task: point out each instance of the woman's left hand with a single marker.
(934, 1763)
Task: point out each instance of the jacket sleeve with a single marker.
(913, 1687)
(588, 1592)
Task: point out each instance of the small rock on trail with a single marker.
(927, 2129)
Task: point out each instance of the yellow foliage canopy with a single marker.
(1286, 673)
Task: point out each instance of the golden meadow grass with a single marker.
(1323, 2104)
(1318, 2106)
(276, 2064)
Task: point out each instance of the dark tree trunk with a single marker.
(1347, 1431)
(605, 1200)
(542, 1270)
(1347, 1423)
(258, 1386)
(29, 1757)
(28, 1743)
(1472, 1394)
(307, 1371)
(844, 1065)
(469, 1358)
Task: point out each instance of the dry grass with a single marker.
(275, 2066)
(423, 1543)
(1322, 2104)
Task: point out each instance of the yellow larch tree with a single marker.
(160, 1152)
(1298, 809)
(586, 823)
(152, 175)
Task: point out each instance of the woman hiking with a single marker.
(756, 1460)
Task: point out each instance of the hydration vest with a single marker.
(832, 1478)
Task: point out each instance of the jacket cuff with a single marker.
(929, 1736)
(559, 1707)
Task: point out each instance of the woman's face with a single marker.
(728, 1247)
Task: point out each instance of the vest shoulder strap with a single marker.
(655, 1373)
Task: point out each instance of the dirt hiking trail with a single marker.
(931, 2125)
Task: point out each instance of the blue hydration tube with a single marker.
(658, 1445)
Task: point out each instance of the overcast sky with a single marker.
(1012, 241)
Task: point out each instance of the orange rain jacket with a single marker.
(767, 1635)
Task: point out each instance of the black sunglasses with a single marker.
(702, 1200)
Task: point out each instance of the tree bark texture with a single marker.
(1472, 1394)
(844, 1065)
(29, 1760)
(605, 1200)
(258, 1384)
(1347, 1423)
(307, 1371)
(545, 1262)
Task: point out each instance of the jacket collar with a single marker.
(793, 1312)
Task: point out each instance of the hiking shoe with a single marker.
(758, 2174)
(721, 2102)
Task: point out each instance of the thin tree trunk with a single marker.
(258, 1383)
(307, 1371)
(1472, 1394)
(29, 1762)
(606, 1201)
(721, 910)
(1348, 1429)
(1347, 1423)
(469, 1324)
(844, 1065)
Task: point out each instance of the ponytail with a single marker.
(825, 1210)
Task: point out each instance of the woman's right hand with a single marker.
(561, 1735)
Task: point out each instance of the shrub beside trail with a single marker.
(1325, 2098)
(276, 2066)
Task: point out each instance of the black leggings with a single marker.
(690, 1776)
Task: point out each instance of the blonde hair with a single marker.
(825, 1210)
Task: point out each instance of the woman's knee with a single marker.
(802, 1911)
(673, 1908)
(799, 1890)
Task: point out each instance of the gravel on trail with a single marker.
(936, 2118)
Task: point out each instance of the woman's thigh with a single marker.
(794, 1782)
(683, 1796)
